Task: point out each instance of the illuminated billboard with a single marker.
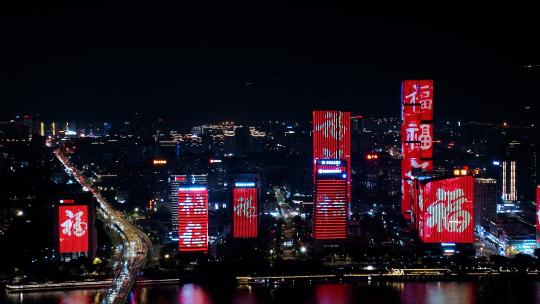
(446, 210)
(73, 228)
(192, 218)
(331, 173)
(245, 211)
(416, 134)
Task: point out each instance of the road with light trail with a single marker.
(131, 255)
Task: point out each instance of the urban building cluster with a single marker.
(330, 189)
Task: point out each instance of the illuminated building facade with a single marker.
(245, 206)
(75, 228)
(193, 218)
(509, 192)
(446, 210)
(175, 182)
(331, 153)
(331, 200)
(416, 135)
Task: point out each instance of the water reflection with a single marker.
(332, 293)
(403, 292)
(191, 293)
(437, 292)
(84, 296)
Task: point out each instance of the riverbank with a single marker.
(397, 275)
(80, 285)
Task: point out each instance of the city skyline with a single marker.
(268, 153)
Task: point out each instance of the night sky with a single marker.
(107, 61)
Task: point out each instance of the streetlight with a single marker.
(303, 249)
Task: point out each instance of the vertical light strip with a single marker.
(504, 194)
(513, 193)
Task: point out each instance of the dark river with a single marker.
(378, 292)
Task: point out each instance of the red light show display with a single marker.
(245, 212)
(330, 209)
(446, 210)
(193, 218)
(331, 137)
(331, 142)
(73, 228)
(416, 134)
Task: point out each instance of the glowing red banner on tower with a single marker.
(446, 209)
(332, 142)
(416, 134)
(193, 219)
(73, 228)
(245, 212)
(331, 137)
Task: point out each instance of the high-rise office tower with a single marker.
(485, 201)
(416, 135)
(508, 185)
(331, 173)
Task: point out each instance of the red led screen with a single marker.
(417, 98)
(245, 212)
(331, 140)
(416, 133)
(193, 219)
(330, 209)
(73, 228)
(446, 210)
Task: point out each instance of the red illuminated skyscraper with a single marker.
(175, 183)
(416, 135)
(192, 218)
(446, 210)
(331, 173)
(75, 228)
(245, 205)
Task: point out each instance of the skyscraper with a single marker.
(416, 135)
(75, 227)
(331, 173)
(192, 218)
(485, 201)
(245, 205)
(508, 185)
(446, 210)
(175, 182)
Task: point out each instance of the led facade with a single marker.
(331, 173)
(446, 210)
(416, 135)
(245, 212)
(74, 228)
(175, 182)
(192, 218)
